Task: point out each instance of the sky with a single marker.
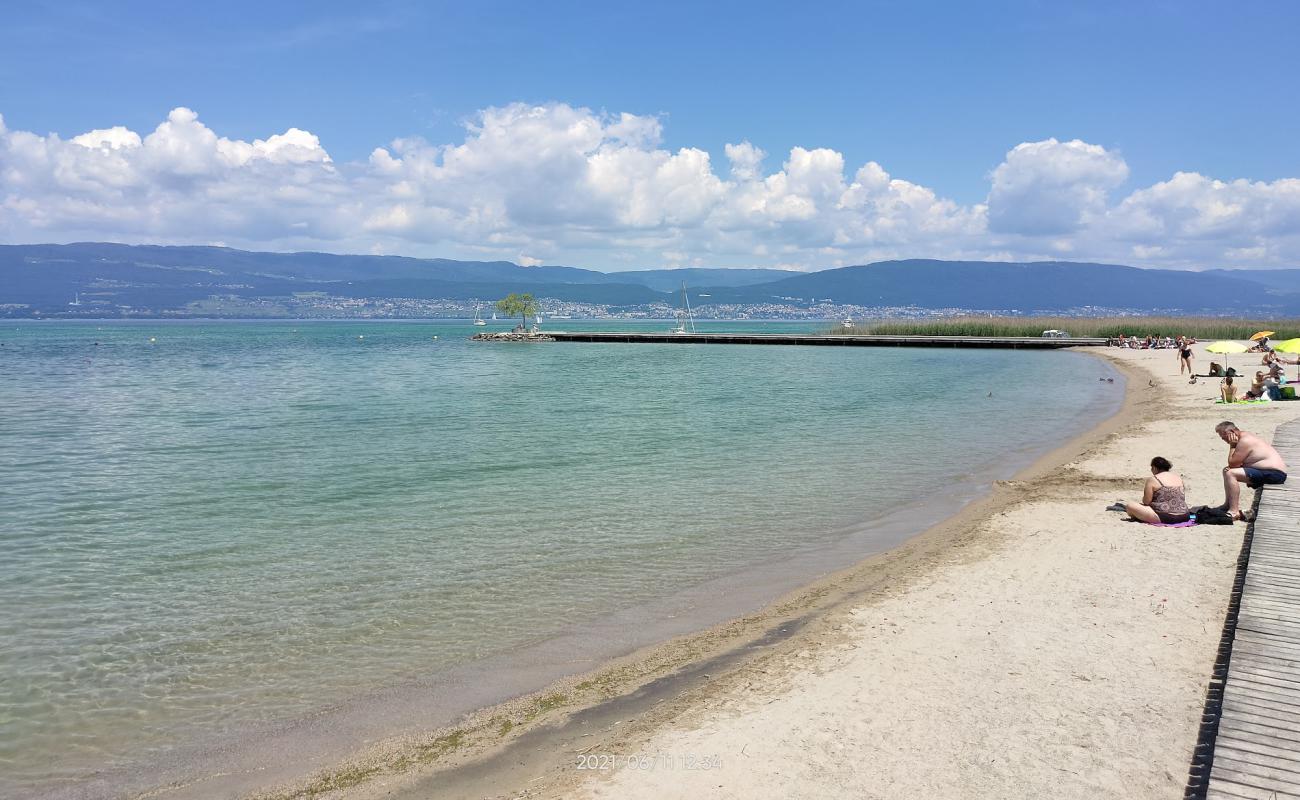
(622, 136)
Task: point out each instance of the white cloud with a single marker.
(598, 190)
(114, 138)
(1052, 187)
(746, 161)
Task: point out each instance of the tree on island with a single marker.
(521, 304)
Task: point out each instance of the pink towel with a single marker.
(1189, 523)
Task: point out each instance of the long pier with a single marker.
(829, 340)
(1250, 737)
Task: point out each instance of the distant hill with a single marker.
(1046, 285)
(46, 277)
(670, 280)
(1283, 280)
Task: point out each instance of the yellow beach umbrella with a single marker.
(1290, 346)
(1260, 335)
(1226, 347)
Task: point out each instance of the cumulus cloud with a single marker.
(563, 184)
(1052, 187)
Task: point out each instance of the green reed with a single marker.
(1199, 327)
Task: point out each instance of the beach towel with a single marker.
(1189, 523)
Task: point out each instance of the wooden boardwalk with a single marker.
(1255, 751)
(828, 340)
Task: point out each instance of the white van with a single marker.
(1055, 334)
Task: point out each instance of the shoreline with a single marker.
(267, 753)
(508, 745)
(1081, 669)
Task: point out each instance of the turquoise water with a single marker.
(209, 526)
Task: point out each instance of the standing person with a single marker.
(1163, 500)
(1251, 461)
(1184, 357)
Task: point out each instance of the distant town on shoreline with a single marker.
(104, 280)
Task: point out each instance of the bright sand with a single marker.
(1036, 645)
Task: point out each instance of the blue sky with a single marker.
(936, 94)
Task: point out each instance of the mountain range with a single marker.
(108, 278)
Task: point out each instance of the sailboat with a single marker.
(683, 318)
(479, 320)
(494, 316)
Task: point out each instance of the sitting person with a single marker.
(1256, 390)
(1251, 461)
(1163, 500)
(1272, 387)
(1227, 392)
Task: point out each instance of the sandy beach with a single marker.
(1034, 645)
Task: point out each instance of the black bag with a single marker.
(1210, 515)
(1231, 373)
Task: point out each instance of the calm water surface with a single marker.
(207, 526)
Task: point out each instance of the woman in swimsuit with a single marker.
(1162, 497)
(1185, 358)
(1227, 392)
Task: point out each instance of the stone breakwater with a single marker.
(512, 337)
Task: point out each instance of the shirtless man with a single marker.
(1251, 461)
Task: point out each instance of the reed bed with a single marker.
(1202, 328)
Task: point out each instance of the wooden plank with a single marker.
(1274, 614)
(1274, 586)
(1279, 749)
(1283, 680)
(1286, 692)
(1262, 774)
(1251, 603)
(1227, 790)
(1283, 561)
(1251, 651)
(1278, 644)
(1273, 627)
(1251, 710)
(1253, 731)
(1233, 774)
(1281, 584)
(1256, 752)
(1283, 686)
(1260, 697)
(1270, 543)
(1266, 564)
(1271, 616)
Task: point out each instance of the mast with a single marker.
(687, 298)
